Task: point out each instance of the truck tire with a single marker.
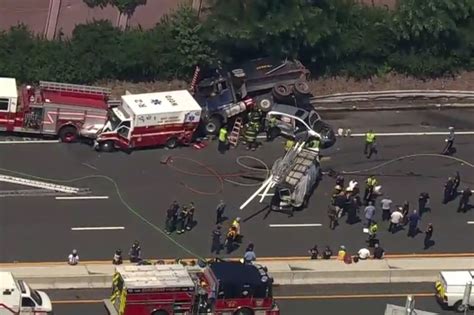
(244, 311)
(107, 146)
(301, 88)
(281, 92)
(171, 143)
(68, 134)
(160, 312)
(459, 307)
(213, 125)
(265, 104)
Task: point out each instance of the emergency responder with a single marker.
(170, 219)
(369, 214)
(314, 252)
(448, 149)
(332, 214)
(373, 228)
(135, 253)
(223, 140)
(250, 136)
(271, 129)
(73, 258)
(457, 182)
(428, 235)
(423, 200)
(289, 144)
(189, 219)
(413, 220)
(249, 255)
(370, 184)
(236, 225)
(312, 144)
(230, 239)
(255, 116)
(464, 201)
(216, 240)
(117, 260)
(336, 191)
(181, 220)
(220, 212)
(340, 180)
(448, 190)
(369, 147)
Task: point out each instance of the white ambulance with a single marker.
(151, 119)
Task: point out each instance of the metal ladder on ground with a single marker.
(67, 87)
(235, 133)
(43, 185)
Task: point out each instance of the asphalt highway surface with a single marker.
(327, 299)
(134, 190)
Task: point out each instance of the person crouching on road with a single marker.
(314, 252)
(73, 258)
(223, 140)
(117, 260)
(363, 254)
(135, 253)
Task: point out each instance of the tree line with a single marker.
(424, 39)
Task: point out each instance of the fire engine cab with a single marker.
(222, 288)
(51, 108)
(150, 119)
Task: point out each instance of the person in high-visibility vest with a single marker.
(236, 225)
(222, 147)
(271, 129)
(369, 147)
(250, 136)
(313, 144)
(289, 144)
(370, 184)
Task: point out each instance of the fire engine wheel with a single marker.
(172, 143)
(244, 311)
(68, 134)
(281, 91)
(265, 104)
(160, 312)
(107, 146)
(301, 88)
(213, 125)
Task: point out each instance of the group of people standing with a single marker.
(179, 219)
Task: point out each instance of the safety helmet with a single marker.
(237, 219)
(451, 128)
(74, 251)
(337, 187)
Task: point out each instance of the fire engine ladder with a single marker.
(43, 185)
(302, 162)
(66, 87)
(235, 133)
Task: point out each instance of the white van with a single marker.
(451, 286)
(16, 297)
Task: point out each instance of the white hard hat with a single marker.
(451, 128)
(74, 251)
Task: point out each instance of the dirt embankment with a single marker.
(462, 81)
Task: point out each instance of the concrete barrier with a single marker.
(296, 272)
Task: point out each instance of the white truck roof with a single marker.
(155, 276)
(8, 88)
(457, 277)
(7, 281)
(160, 102)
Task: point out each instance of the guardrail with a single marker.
(395, 95)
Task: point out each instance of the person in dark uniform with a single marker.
(423, 200)
(457, 182)
(405, 210)
(216, 240)
(448, 149)
(189, 219)
(314, 252)
(413, 224)
(231, 238)
(332, 215)
(428, 236)
(448, 190)
(340, 180)
(171, 216)
(250, 136)
(464, 201)
(271, 129)
(135, 252)
(220, 212)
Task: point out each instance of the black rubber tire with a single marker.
(107, 146)
(459, 307)
(160, 312)
(68, 134)
(171, 143)
(213, 125)
(301, 88)
(244, 311)
(265, 104)
(281, 91)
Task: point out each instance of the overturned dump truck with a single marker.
(292, 180)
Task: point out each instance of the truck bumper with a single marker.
(110, 307)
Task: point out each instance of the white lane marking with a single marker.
(29, 142)
(98, 228)
(470, 222)
(267, 195)
(401, 134)
(82, 198)
(296, 225)
(90, 166)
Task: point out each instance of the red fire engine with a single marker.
(65, 110)
(222, 288)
